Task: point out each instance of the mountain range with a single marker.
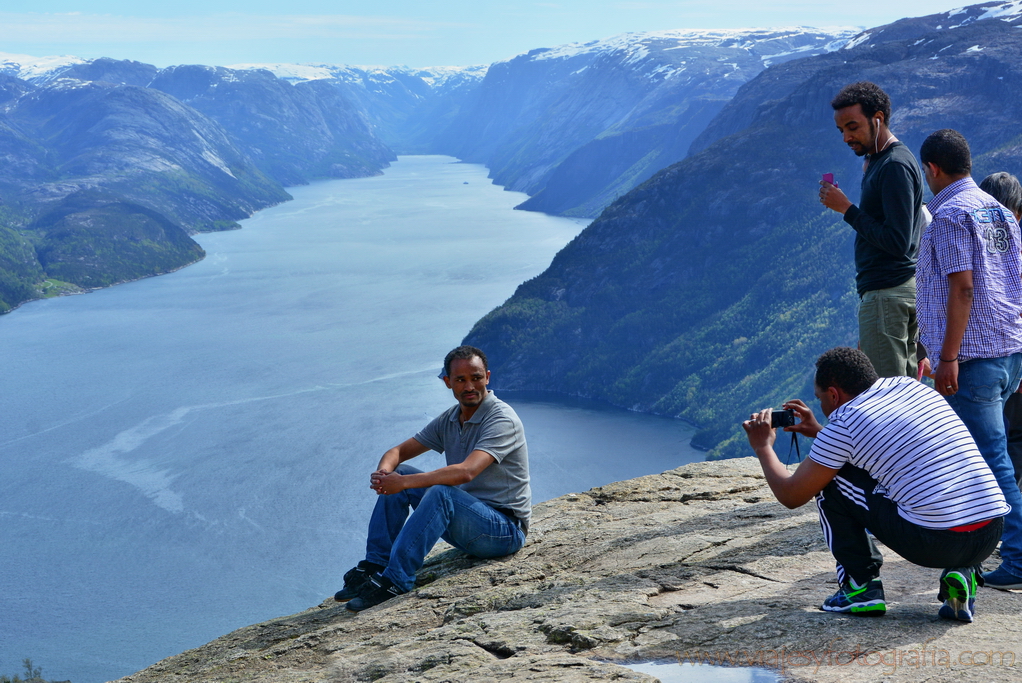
(579, 125)
(205, 146)
(110, 165)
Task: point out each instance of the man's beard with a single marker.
(873, 133)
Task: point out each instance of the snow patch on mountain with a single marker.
(762, 43)
(436, 77)
(293, 73)
(1010, 12)
(40, 70)
(36, 69)
(442, 76)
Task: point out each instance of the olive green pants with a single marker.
(888, 329)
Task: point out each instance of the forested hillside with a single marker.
(110, 145)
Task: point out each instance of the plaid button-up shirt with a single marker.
(971, 231)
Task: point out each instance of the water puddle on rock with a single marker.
(686, 672)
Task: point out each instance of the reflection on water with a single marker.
(673, 672)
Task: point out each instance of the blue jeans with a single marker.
(446, 512)
(984, 384)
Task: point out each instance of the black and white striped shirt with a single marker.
(910, 440)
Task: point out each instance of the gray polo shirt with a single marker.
(495, 429)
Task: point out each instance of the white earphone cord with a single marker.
(876, 138)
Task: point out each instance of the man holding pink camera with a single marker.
(888, 224)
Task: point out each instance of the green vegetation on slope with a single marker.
(93, 240)
(19, 266)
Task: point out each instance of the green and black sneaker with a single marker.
(865, 601)
(958, 591)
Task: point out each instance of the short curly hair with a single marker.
(949, 150)
(869, 96)
(464, 352)
(847, 369)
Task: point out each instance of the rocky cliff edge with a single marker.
(698, 562)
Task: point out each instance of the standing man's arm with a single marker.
(833, 198)
(959, 306)
(898, 196)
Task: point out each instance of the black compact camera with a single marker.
(782, 418)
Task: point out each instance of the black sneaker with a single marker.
(355, 578)
(378, 589)
(864, 601)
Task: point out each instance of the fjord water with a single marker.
(185, 455)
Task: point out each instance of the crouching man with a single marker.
(897, 461)
(480, 502)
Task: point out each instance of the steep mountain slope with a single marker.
(293, 132)
(142, 144)
(578, 125)
(162, 169)
(20, 269)
(293, 129)
(707, 292)
(774, 84)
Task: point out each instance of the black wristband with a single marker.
(953, 360)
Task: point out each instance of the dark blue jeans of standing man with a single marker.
(446, 512)
(984, 384)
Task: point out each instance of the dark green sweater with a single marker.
(889, 221)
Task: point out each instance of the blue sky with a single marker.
(388, 32)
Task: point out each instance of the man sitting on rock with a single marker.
(895, 461)
(479, 503)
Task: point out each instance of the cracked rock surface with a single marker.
(698, 562)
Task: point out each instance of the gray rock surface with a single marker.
(696, 560)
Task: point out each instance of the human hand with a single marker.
(945, 379)
(374, 478)
(807, 424)
(925, 368)
(833, 198)
(387, 483)
(759, 431)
